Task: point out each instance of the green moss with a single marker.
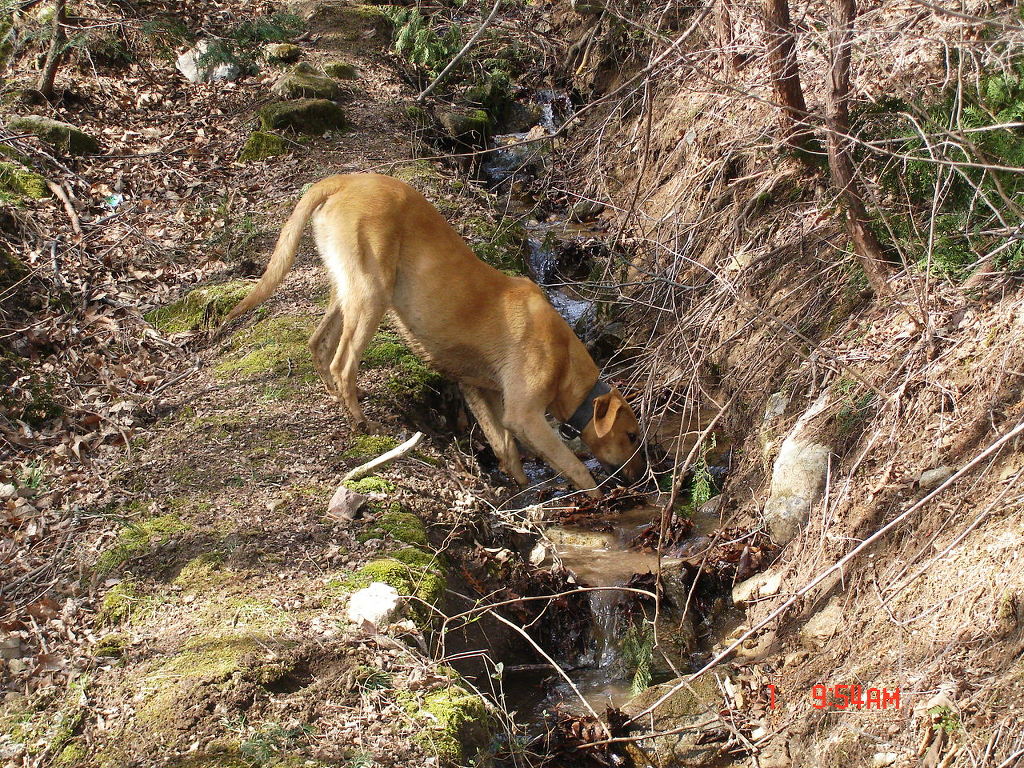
(200, 307)
(203, 573)
(112, 645)
(73, 754)
(205, 660)
(371, 484)
(277, 345)
(120, 602)
(61, 728)
(61, 136)
(410, 377)
(19, 182)
(469, 127)
(310, 116)
(349, 23)
(261, 145)
(136, 538)
(369, 446)
(399, 526)
(342, 70)
(459, 725)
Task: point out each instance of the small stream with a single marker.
(598, 553)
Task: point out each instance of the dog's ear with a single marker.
(606, 408)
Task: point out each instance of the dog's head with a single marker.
(613, 435)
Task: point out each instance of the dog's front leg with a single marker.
(531, 426)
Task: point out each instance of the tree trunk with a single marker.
(865, 244)
(56, 52)
(785, 72)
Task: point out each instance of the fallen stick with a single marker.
(59, 192)
(384, 459)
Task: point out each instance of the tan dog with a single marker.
(387, 248)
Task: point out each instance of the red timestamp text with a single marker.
(846, 697)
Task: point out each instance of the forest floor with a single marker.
(193, 588)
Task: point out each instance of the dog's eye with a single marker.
(631, 436)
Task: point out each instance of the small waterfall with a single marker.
(605, 617)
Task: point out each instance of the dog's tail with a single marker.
(284, 252)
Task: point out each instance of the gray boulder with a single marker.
(196, 69)
(304, 81)
(798, 477)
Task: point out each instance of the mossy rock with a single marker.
(310, 116)
(283, 53)
(466, 126)
(342, 70)
(343, 23)
(136, 538)
(304, 81)
(275, 346)
(260, 145)
(411, 378)
(61, 136)
(397, 525)
(458, 725)
(18, 182)
(411, 571)
(682, 707)
(200, 307)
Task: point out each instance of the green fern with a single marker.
(638, 654)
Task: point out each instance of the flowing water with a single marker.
(601, 560)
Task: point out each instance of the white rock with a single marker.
(188, 64)
(882, 759)
(933, 478)
(757, 586)
(798, 478)
(7, 491)
(377, 604)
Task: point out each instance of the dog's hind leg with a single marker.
(324, 343)
(527, 422)
(486, 406)
(363, 310)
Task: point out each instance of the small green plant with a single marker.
(638, 653)
(32, 476)
(955, 169)
(420, 42)
(702, 485)
(945, 719)
(373, 679)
